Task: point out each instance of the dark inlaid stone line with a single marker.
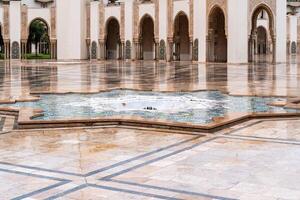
(133, 192)
(104, 168)
(107, 178)
(171, 190)
(41, 190)
(141, 156)
(271, 140)
(60, 182)
(59, 195)
(114, 189)
(259, 122)
(266, 139)
(32, 175)
(41, 169)
(243, 127)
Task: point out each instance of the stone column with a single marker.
(23, 49)
(102, 49)
(88, 46)
(123, 50)
(274, 49)
(102, 30)
(250, 48)
(135, 49)
(156, 47)
(7, 49)
(135, 20)
(53, 49)
(122, 31)
(141, 56)
(191, 49)
(210, 45)
(207, 48)
(170, 50)
(53, 40)
(170, 31)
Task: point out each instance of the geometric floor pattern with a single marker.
(258, 159)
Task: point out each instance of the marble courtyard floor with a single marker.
(256, 159)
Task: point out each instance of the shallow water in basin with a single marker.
(192, 107)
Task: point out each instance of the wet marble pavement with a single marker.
(258, 159)
(19, 80)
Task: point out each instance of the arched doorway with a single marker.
(147, 42)
(181, 37)
(217, 40)
(261, 40)
(113, 42)
(38, 43)
(261, 11)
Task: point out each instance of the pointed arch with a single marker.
(217, 39)
(112, 38)
(181, 36)
(146, 38)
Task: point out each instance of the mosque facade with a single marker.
(232, 31)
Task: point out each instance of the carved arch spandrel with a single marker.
(6, 22)
(210, 5)
(53, 22)
(24, 21)
(254, 4)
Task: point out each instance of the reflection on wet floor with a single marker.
(19, 80)
(257, 159)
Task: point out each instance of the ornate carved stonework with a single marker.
(170, 18)
(53, 22)
(101, 20)
(128, 50)
(254, 4)
(122, 27)
(6, 22)
(294, 48)
(156, 23)
(94, 50)
(162, 50)
(135, 20)
(210, 4)
(191, 21)
(88, 20)
(195, 50)
(298, 32)
(24, 19)
(15, 50)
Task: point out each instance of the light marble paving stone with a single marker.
(225, 167)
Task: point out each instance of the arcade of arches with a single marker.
(152, 30)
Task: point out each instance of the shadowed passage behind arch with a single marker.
(113, 42)
(261, 40)
(181, 37)
(38, 43)
(257, 31)
(147, 42)
(217, 40)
